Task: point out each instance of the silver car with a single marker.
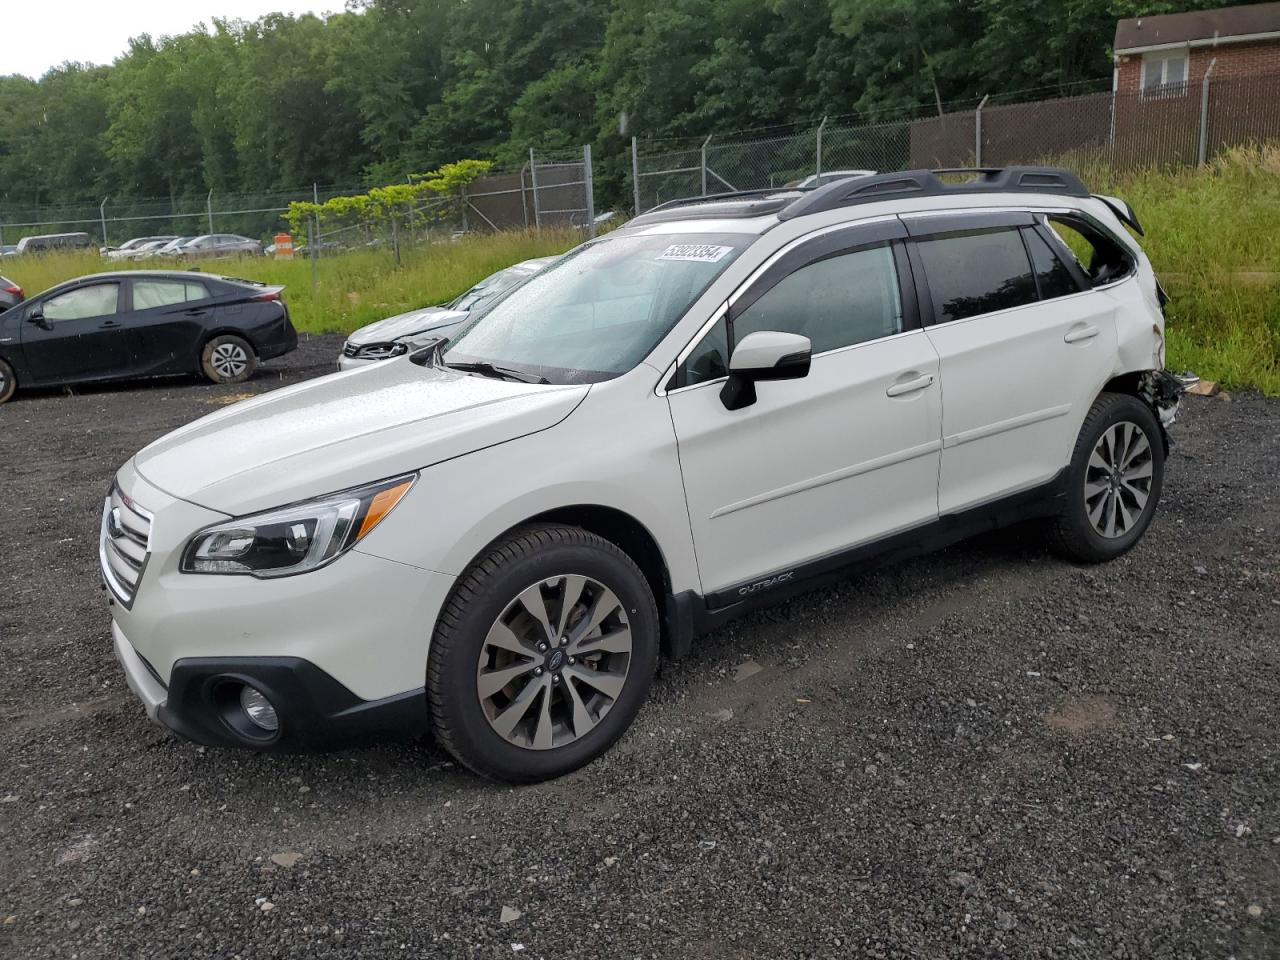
(219, 245)
(400, 334)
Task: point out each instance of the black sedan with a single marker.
(113, 326)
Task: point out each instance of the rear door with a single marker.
(86, 339)
(167, 322)
(1024, 346)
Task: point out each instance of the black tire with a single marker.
(228, 359)
(8, 382)
(489, 587)
(1073, 533)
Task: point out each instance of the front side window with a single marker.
(163, 293)
(977, 272)
(599, 310)
(836, 302)
(98, 300)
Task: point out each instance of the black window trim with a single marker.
(839, 241)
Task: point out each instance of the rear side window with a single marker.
(162, 293)
(1052, 276)
(977, 272)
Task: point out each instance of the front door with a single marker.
(821, 464)
(85, 338)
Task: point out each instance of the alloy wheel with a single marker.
(554, 662)
(1117, 481)
(229, 359)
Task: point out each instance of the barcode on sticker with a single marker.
(700, 252)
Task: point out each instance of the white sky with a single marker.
(39, 34)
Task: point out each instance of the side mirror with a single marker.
(763, 355)
(36, 316)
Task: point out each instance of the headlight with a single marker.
(297, 538)
(382, 351)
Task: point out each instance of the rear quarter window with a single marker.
(1101, 257)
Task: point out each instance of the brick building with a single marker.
(1165, 56)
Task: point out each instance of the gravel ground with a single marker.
(982, 753)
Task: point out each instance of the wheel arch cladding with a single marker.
(629, 535)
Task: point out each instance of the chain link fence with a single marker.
(549, 190)
(1176, 127)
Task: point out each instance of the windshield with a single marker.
(600, 309)
(485, 288)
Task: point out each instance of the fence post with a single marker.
(635, 173)
(524, 196)
(817, 166)
(208, 205)
(533, 175)
(102, 218)
(1204, 113)
(704, 163)
(313, 237)
(977, 131)
(589, 186)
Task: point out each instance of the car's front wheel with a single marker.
(8, 382)
(228, 359)
(1114, 481)
(543, 654)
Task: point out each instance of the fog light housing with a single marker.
(258, 709)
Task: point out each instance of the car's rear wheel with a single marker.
(228, 359)
(543, 654)
(8, 382)
(1114, 482)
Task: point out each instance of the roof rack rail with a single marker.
(927, 183)
(713, 197)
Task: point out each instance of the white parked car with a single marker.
(405, 332)
(130, 249)
(693, 414)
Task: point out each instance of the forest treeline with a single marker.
(393, 87)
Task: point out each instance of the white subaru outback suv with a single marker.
(695, 413)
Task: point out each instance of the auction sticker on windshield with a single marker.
(698, 252)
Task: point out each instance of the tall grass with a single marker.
(1213, 235)
(352, 288)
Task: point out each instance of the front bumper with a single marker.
(316, 712)
(341, 651)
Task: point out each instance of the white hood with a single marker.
(343, 430)
(404, 324)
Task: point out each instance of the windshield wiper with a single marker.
(485, 368)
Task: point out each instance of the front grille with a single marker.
(123, 545)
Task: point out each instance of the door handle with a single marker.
(1076, 334)
(108, 324)
(909, 386)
